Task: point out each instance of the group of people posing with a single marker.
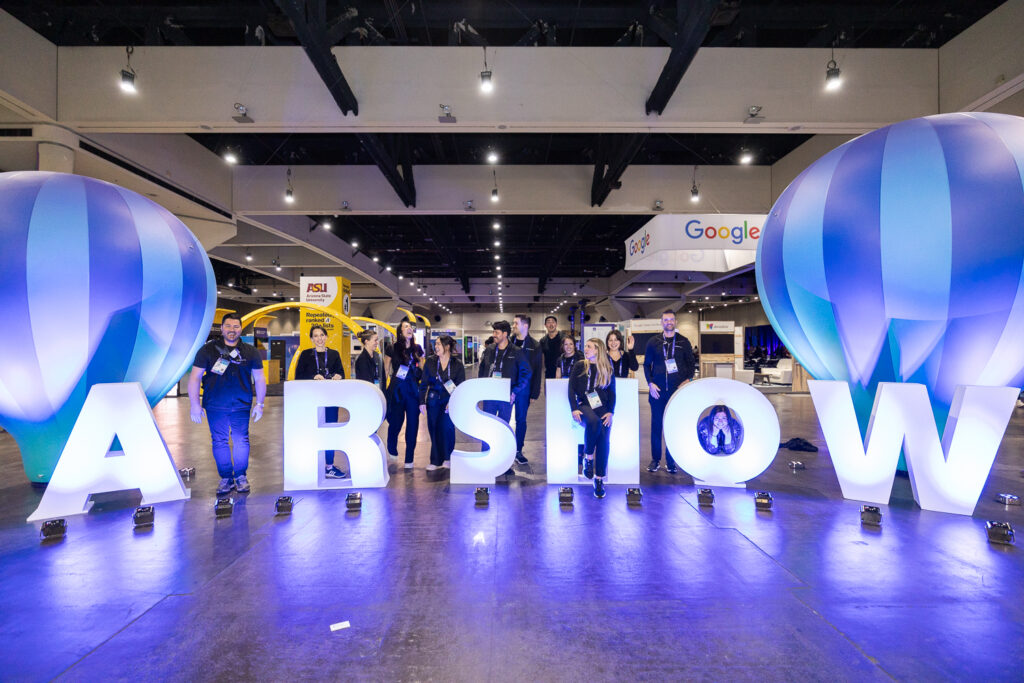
(231, 371)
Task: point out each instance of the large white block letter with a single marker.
(946, 476)
(563, 434)
(84, 467)
(305, 436)
(481, 467)
(755, 413)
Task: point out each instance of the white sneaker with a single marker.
(1020, 403)
(431, 467)
(393, 457)
(447, 464)
(408, 465)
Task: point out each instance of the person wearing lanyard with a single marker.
(668, 364)
(531, 350)
(504, 360)
(321, 363)
(403, 392)
(229, 370)
(442, 373)
(551, 346)
(592, 400)
(623, 364)
(369, 362)
(570, 354)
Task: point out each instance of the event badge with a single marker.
(402, 372)
(496, 373)
(220, 366)
(595, 400)
(670, 365)
(450, 386)
(376, 382)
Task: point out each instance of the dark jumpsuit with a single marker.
(582, 382)
(435, 397)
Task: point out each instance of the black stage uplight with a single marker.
(999, 532)
(870, 515)
(565, 495)
(796, 465)
(223, 507)
(483, 495)
(53, 529)
(354, 501)
(763, 500)
(187, 472)
(143, 516)
(284, 505)
(1008, 499)
(705, 497)
(634, 496)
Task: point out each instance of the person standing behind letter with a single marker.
(592, 400)
(403, 392)
(319, 363)
(229, 369)
(551, 346)
(668, 364)
(504, 360)
(530, 348)
(442, 373)
(369, 364)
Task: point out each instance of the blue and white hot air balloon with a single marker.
(899, 257)
(97, 284)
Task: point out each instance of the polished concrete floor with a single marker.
(434, 588)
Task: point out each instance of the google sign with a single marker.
(737, 234)
(713, 242)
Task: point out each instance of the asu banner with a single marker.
(334, 293)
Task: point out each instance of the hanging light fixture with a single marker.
(833, 76)
(486, 86)
(694, 190)
(494, 192)
(289, 194)
(128, 73)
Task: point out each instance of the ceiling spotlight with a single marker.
(376, 259)
(494, 192)
(694, 190)
(658, 206)
(497, 257)
(275, 292)
(499, 267)
(242, 114)
(231, 283)
(492, 157)
(468, 205)
(248, 256)
(497, 243)
(128, 73)
(355, 244)
(387, 268)
(399, 277)
(254, 290)
(496, 225)
(574, 293)
(746, 157)
(499, 276)
(833, 77)
(230, 157)
(289, 194)
(327, 225)
(649, 289)
(419, 289)
(486, 86)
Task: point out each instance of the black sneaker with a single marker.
(598, 488)
(521, 459)
(332, 472)
(672, 469)
(588, 468)
(653, 467)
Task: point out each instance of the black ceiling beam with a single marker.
(564, 241)
(444, 248)
(685, 43)
(309, 19)
(614, 154)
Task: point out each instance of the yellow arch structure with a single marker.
(380, 323)
(423, 318)
(250, 318)
(408, 314)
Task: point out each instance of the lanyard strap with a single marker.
(591, 378)
(316, 357)
(500, 364)
(667, 344)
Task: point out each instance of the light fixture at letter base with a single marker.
(284, 505)
(223, 507)
(870, 515)
(565, 495)
(763, 500)
(634, 496)
(354, 501)
(143, 516)
(53, 529)
(999, 532)
(482, 495)
(705, 497)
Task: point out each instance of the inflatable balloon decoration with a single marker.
(899, 257)
(97, 284)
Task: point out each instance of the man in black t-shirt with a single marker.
(229, 369)
(668, 364)
(530, 349)
(551, 346)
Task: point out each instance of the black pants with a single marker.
(502, 409)
(404, 406)
(657, 427)
(596, 438)
(442, 432)
(522, 405)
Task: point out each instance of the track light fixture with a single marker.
(746, 157)
(486, 86)
(694, 190)
(289, 193)
(494, 192)
(128, 73)
(229, 156)
(492, 157)
(248, 256)
(496, 225)
(833, 76)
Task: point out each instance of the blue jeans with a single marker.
(233, 423)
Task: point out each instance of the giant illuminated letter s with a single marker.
(84, 468)
(946, 476)
(481, 467)
(305, 435)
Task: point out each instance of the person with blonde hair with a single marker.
(592, 401)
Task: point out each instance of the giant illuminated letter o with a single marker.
(760, 426)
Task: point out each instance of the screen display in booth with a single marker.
(716, 343)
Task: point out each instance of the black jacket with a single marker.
(370, 369)
(626, 362)
(311, 364)
(552, 349)
(565, 364)
(511, 363)
(535, 358)
(658, 349)
(432, 385)
(415, 355)
(581, 382)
